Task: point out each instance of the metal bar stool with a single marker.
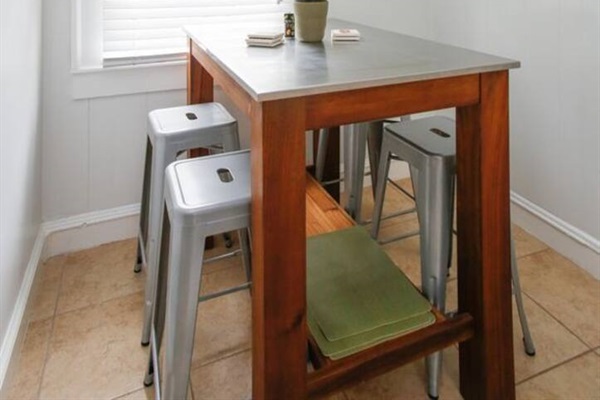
(171, 132)
(358, 138)
(203, 197)
(428, 146)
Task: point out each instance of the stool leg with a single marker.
(185, 271)
(244, 237)
(143, 235)
(434, 207)
(159, 162)
(354, 168)
(321, 154)
(527, 339)
(158, 316)
(374, 139)
(382, 172)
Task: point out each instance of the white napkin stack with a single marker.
(264, 39)
(345, 35)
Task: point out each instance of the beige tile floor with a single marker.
(84, 318)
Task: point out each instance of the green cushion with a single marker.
(357, 297)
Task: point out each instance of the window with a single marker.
(141, 31)
(132, 32)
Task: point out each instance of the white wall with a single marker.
(555, 106)
(412, 17)
(555, 95)
(93, 148)
(555, 100)
(20, 154)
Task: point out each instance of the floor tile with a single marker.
(96, 275)
(26, 381)
(227, 379)
(223, 325)
(410, 382)
(526, 243)
(230, 379)
(554, 344)
(44, 294)
(566, 291)
(141, 394)
(95, 352)
(578, 379)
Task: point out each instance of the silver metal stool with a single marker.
(203, 197)
(171, 132)
(429, 147)
(358, 138)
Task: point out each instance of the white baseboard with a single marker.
(57, 237)
(14, 333)
(571, 242)
(92, 229)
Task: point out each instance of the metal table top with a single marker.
(298, 69)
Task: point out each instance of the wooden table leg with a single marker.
(332, 161)
(484, 280)
(199, 90)
(279, 250)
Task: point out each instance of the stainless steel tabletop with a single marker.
(297, 69)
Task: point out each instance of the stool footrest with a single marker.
(223, 256)
(234, 289)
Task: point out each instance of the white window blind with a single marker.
(143, 31)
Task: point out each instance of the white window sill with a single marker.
(115, 81)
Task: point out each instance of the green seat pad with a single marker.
(357, 297)
(344, 347)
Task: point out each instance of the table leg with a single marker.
(332, 160)
(483, 218)
(199, 90)
(279, 250)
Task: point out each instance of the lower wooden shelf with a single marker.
(324, 215)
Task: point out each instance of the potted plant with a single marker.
(311, 18)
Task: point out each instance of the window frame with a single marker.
(92, 79)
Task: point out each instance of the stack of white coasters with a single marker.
(264, 39)
(345, 35)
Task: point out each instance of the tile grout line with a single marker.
(51, 335)
(560, 364)
(556, 319)
(225, 357)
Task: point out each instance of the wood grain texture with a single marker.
(336, 375)
(279, 250)
(483, 221)
(346, 107)
(199, 81)
(325, 215)
(199, 90)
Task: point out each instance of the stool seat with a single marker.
(432, 136)
(185, 123)
(202, 192)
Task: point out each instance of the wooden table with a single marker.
(298, 86)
